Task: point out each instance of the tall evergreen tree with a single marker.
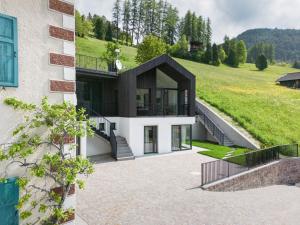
(134, 18)
(194, 27)
(100, 28)
(109, 32)
(188, 25)
(140, 20)
(215, 55)
(241, 51)
(171, 25)
(226, 45)
(207, 57)
(117, 17)
(126, 19)
(200, 30)
(208, 31)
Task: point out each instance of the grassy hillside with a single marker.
(271, 113)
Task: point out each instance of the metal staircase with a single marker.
(212, 128)
(119, 146)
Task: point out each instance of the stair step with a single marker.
(125, 158)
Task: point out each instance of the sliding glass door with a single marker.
(181, 137)
(150, 139)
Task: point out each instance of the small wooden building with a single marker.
(291, 80)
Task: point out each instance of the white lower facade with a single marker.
(133, 129)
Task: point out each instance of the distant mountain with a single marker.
(285, 41)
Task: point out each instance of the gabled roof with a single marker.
(289, 76)
(163, 60)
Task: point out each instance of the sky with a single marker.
(229, 17)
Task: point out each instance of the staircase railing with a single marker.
(213, 129)
(113, 143)
(104, 125)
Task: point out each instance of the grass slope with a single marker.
(271, 113)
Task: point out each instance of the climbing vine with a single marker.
(38, 150)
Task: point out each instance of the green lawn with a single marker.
(271, 113)
(217, 151)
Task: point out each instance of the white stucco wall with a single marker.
(133, 130)
(34, 45)
(97, 146)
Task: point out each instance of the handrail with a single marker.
(91, 62)
(210, 125)
(108, 130)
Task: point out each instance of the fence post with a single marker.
(202, 174)
(228, 168)
(297, 150)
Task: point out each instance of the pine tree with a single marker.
(194, 26)
(215, 55)
(126, 19)
(117, 17)
(233, 59)
(200, 31)
(171, 25)
(134, 18)
(241, 51)
(100, 28)
(222, 54)
(109, 32)
(226, 45)
(207, 57)
(208, 31)
(140, 20)
(188, 25)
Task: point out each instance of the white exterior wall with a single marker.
(133, 130)
(97, 146)
(34, 46)
(34, 18)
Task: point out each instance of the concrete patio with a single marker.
(164, 189)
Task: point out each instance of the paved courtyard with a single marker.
(164, 190)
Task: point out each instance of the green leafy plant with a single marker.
(150, 48)
(39, 149)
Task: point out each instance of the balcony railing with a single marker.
(168, 110)
(91, 62)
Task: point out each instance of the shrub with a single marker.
(261, 62)
(150, 48)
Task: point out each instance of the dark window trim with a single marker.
(180, 137)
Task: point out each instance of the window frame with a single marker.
(15, 83)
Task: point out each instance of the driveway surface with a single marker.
(164, 190)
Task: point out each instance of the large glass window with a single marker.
(167, 101)
(181, 137)
(150, 139)
(143, 101)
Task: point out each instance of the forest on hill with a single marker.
(286, 42)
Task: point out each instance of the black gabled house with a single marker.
(159, 87)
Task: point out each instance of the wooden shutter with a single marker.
(8, 51)
(9, 198)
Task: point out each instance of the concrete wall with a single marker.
(97, 146)
(285, 171)
(230, 131)
(201, 133)
(133, 130)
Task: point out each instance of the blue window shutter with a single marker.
(8, 51)
(9, 198)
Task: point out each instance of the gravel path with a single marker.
(164, 190)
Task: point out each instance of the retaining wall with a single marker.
(285, 171)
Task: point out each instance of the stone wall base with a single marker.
(285, 171)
